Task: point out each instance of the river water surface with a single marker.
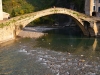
(52, 54)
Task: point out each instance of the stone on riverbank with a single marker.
(29, 34)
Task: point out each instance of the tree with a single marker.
(17, 7)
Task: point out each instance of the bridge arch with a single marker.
(32, 16)
(12, 27)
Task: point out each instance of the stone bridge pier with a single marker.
(92, 28)
(97, 28)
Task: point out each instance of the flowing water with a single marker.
(52, 54)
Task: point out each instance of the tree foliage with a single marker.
(42, 4)
(79, 4)
(17, 7)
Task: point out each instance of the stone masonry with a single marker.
(11, 28)
(89, 7)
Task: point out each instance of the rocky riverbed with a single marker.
(65, 63)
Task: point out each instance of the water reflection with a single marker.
(89, 47)
(64, 63)
(52, 54)
(95, 44)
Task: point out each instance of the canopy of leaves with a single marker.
(42, 4)
(17, 7)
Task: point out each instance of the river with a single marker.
(54, 54)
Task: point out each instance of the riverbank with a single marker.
(34, 32)
(30, 34)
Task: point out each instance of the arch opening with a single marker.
(61, 21)
(53, 11)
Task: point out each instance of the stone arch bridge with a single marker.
(89, 25)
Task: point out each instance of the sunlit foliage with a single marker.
(17, 7)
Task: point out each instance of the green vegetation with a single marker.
(17, 7)
(42, 4)
(79, 4)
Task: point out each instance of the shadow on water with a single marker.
(68, 41)
(67, 31)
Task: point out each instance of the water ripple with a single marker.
(64, 63)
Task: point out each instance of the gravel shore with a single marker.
(33, 32)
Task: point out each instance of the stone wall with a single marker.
(30, 34)
(89, 7)
(6, 15)
(7, 33)
(97, 5)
